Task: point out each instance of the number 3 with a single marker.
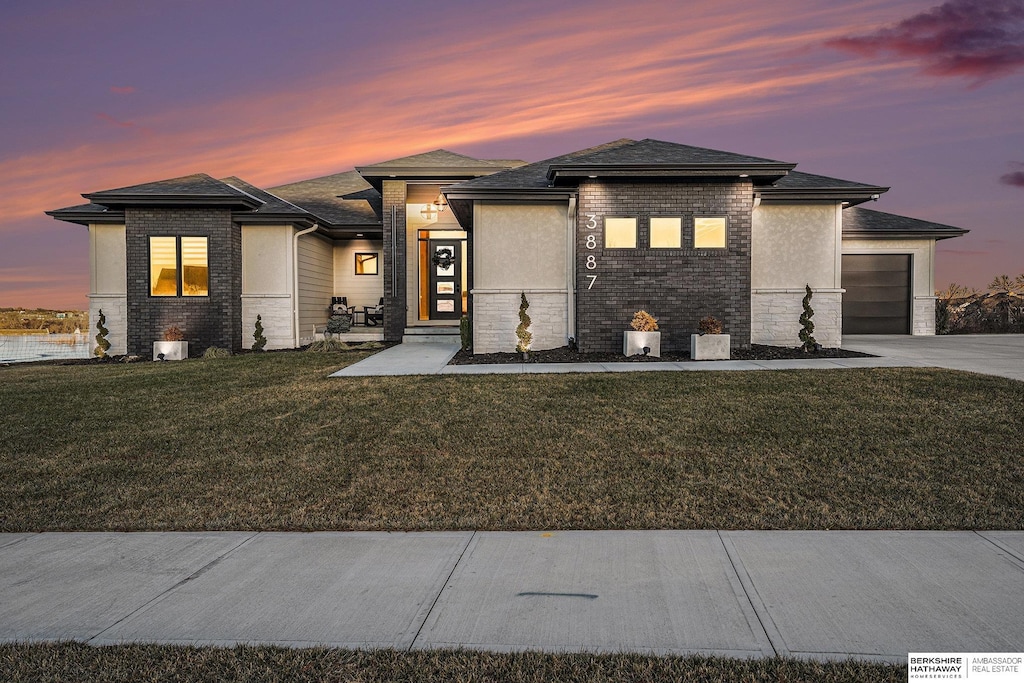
(591, 221)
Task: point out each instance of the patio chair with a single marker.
(339, 306)
(374, 314)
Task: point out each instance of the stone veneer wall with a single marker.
(115, 312)
(775, 316)
(207, 321)
(496, 316)
(677, 286)
(393, 195)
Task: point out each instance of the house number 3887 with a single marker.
(591, 243)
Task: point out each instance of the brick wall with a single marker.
(677, 286)
(393, 195)
(213, 320)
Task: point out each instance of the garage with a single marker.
(877, 298)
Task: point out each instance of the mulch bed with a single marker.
(566, 355)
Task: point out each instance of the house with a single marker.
(589, 237)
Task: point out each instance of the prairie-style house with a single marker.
(590, 237)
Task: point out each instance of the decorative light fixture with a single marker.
(440, 203)
(429, 212)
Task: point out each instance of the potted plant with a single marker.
(644, 338)
(173, 346)
(709, 343)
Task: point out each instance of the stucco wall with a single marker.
(793, 245)
(267, 282)
(361, 290)
(316, 283)
(108, 284)
(519, 248)
(922, 252)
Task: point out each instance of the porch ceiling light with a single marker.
(440, 204)
(429, 212)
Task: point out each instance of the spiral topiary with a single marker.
(259, 341)
(523, 330)
(809, 343)
(102, 345)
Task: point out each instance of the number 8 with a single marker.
(591, 262)
(591, 241)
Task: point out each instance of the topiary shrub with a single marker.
(709, 325)
(644, 322)
(466, 333)
(259, 341)
(809, 344)
(102, 344)
(523, 329)
(339, 323)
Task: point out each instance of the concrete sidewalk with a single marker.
(817, 594)
(432, 359)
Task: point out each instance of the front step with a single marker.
(432, 335)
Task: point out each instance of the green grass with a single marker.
(75, 662)
(270, 442)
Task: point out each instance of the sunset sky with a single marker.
(924, 97)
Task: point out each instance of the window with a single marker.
(709, 232)
(178, 266)
(666, 233)
(366, 264)
(620, 233)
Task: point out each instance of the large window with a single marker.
(179, 266)
(709, 232)
(666, 232)
(620, 233)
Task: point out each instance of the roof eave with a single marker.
(87, 217)
(757, 172)
(247, 201)
(851, 196)
(904, 234)
(376, 175)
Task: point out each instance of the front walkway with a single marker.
(816, 594)
(1001, 355)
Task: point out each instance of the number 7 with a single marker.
(593, 279)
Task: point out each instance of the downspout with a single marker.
(570, 268)
(295, 279)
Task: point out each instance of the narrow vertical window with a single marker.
(709, 232)
(163, 266)
(195, 279)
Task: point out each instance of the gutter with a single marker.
(295, 279)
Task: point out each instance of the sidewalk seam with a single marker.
(1013, 558)
(197, 573)
(444, 584)
(768, 626)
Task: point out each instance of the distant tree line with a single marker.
(43, 320)
(965, 310)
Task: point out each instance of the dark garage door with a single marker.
(877, 298)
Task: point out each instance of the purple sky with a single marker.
(920, 96)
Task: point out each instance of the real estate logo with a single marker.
(982, 667)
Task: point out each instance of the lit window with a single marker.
(709, 232)
(166, 254)
(366, 264)
(620, 233)
(666, 233)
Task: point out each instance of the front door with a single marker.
(445, 266)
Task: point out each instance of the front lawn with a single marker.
(270, 442)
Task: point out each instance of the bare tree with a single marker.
(1001, 283)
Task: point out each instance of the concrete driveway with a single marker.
(988, 354)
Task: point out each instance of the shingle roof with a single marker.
(272, 204)
(435, 158)
(798, 180)
(650, 152)
(868, 222)
(339, 199)
(83, 214)
(531, 176)
(198, 187)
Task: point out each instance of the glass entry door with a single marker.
(445, 268)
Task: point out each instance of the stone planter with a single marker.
(171, 350)
(634, 343)
(709, 346)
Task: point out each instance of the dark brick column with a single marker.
(212, 320)
(677, 286)
(393, 202)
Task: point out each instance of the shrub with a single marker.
(102, 344)
(644, 322)
(216, 352)
(259, 341)
(466, 332)
(339, 323)
(523, 329)
(174, 333)
(328, 345)
(809, 343)
(709, 325)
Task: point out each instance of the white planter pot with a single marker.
(709, 346)
(633, 343)
(171, 350)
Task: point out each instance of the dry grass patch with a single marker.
(270, 442)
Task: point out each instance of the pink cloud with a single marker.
(978, 40)
(1014, 178)
(122, 89)
(115, 122)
